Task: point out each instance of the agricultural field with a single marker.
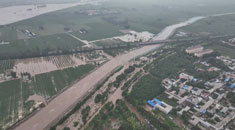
(14, 94)
(100, 21)
(39, 46)
(5, 65)
(41, 65)
(213, 25)
(223, 49)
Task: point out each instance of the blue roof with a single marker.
(185, 87)
(151, 103)
(232, 86)
(204, 111)
(227, 79)
(159, 102)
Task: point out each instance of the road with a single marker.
(63, 102)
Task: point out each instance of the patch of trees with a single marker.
(185, 117)
(85, 113)
(231, 97)
(123, 76)
(218, 63)
(128, 120)
(148, 87)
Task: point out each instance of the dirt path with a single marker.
(87, 44)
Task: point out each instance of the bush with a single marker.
(99, 98)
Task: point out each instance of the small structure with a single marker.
(204, 52)
(194, 49)
(162, 106)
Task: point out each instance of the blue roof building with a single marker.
(159, 102)
(232, 86)
(203, 111)
(151, 104)
(227, 79)
(185, 87)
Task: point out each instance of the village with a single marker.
(205, 104)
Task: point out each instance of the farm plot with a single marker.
(213, 25)
(6, 64)
(14, 94)
(40, 46)
(40, 65)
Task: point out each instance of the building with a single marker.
(162, 106)
(203, 52)
(194, 49)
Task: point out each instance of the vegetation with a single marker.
(215, 25)
(5, 65)
(40, 46)
(14, 94)
(85, 113)
(231, 97)
(148, 87)
(78, 106)
(119, 115)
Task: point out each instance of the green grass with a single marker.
(99, 30)
(215, 25)
(13, 94)
(225, 50)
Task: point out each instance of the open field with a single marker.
(36, 66)
(14, 94)
(223, 49)
(213, 25)
(40, 46)
(5, 65)
(101, 21)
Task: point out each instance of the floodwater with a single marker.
(71, 96)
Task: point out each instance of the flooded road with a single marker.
(66, 100)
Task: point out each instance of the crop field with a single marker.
(6, 64)
(39, 46)
(14, 94)
(105, 20)
(40, 65)
(225, 50)
(214, 25)
(99, 30)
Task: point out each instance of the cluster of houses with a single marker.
(198, 51)
(227, 61)
(207, 105)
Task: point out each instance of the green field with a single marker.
(5, 65)
(39, 46)
(223, 49)
(215, 25)
(13, 94)
(103, 21)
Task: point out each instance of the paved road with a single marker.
(63, 101)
